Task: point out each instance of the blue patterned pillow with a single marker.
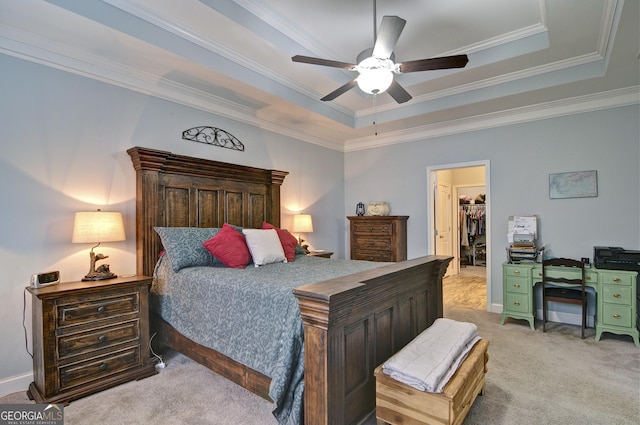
(184, 246)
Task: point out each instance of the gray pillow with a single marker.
(184, 248)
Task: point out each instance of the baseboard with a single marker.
(15, 383)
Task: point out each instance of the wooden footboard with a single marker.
(354, 323)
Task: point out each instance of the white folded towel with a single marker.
(428, 362)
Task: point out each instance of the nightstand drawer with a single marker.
(372, 243)
(616, 294)
(616, 315)
(87, 311)
(85, 342)
(98, 368)
(373, 228)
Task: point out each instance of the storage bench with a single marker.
(401, 404)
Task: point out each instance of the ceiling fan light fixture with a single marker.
(374, 81)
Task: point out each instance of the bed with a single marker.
(351, 323)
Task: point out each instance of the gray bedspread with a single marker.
(249, 315)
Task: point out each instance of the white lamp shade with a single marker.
(375, 80)
(98, 226)
(302, 223)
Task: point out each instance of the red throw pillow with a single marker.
(287, 240)
(230, 247)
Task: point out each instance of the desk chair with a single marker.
(573, 291)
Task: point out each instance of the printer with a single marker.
(616, 258)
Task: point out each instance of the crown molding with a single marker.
(554, 109)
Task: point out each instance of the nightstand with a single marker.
(89, 336)
(323, 254)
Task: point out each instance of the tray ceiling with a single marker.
(528, 59)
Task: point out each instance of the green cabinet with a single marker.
(517, 293)
(617, 303)
(616, 299)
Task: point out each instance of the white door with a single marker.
(443, 223)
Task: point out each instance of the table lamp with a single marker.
(97, 227)
(302, 223)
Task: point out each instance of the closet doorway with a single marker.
(460, 229)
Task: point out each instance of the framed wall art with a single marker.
(576, 184)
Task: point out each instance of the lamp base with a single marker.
(99, 276)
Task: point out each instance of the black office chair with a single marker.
(574, 294)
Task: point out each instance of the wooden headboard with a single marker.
(181, 191)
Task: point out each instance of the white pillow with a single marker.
(265, 246)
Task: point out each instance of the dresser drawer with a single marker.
(96, 339)
(372, 228)
(517, 285)
(517, 303)
(616, 294)
(74, 313)
(98, 368)
(372, 255)
(617, 315)
(363, 242)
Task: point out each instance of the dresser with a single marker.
(89, 336)
(616, 299)
(378, 238)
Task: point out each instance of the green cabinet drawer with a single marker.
(517, 303)
(616, 294)
(617, 315)
(516, 271)
(617, 278)
(519, 285)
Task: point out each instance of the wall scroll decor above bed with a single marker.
(213, 136)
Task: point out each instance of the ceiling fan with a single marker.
(376, 65)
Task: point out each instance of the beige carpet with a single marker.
(533, 378)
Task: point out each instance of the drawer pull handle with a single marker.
(617, 316)
(516, 303)
(101, 309)
(102, 338)
(588, 278)
(516, 285)
(617, 295)
(103, 367)
(516, 272)
(616, 279)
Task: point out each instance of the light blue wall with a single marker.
(521, 158)
(63, 149)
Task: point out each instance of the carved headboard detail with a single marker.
(181, 191)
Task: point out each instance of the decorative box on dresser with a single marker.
(89, 336)
(379, 238)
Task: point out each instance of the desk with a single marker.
(616, 296)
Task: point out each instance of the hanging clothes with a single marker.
(472, 223)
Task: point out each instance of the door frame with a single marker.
(432, 184)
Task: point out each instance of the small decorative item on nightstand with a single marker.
(360, 209)
(321, 253)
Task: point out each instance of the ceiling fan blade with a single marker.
(388, 35)
(324, 62)
(446, 62)
(398, 93)
(341, 90)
